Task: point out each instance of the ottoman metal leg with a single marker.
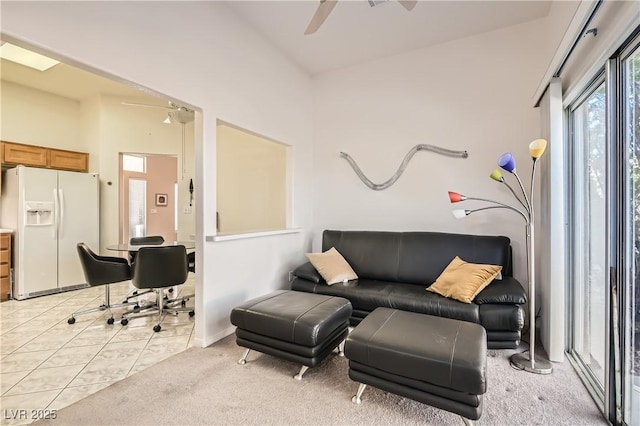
(341, 348)
(466, 421)
(243, 360)
(356, 397)
(302, 370)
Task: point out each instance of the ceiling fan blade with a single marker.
(408, 4)
(323, 11)
(148, 105)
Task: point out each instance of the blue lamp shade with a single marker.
(507, 162)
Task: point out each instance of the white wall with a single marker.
(202, 54)
(38, 118)
(90, 130)
(551, 241)
(470, 94)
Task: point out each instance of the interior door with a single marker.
(135, 219)
(148, 196)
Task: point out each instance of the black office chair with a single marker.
(102, 270)
(191, 261)
(141, 241)
(149, 239)
(157, 268)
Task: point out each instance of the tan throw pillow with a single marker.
(332, 266)
(463, 281)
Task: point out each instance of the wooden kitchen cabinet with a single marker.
(13, 154)
(5, 266)
(68, 160)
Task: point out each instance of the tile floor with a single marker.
(47, 364)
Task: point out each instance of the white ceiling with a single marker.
(65, 80)
(353, 33)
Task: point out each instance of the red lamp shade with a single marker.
(455, 197)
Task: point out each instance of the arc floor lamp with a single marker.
(522, 361)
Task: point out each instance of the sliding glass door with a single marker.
(604, 230)
(589, 233)
(630, 106)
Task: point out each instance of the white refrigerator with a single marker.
(51, 211)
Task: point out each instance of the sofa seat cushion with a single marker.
(408, 297)
(371, 294)
(507, 290)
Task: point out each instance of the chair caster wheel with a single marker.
(170, 290)
(157, 328)
(124, 321)
(135, 293)
(136, 309)
(110, 321)
(192, 313)
(183, 303)
(71, 320)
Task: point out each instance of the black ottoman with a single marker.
(296, 326)
(433, 360)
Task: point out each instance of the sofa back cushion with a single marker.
(414, 257)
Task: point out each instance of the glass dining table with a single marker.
(189, 245)
(132, 249)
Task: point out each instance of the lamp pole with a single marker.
(521, 361)
(532, 363)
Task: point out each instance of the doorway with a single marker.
(148, 196)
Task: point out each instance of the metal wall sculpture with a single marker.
(403, 165)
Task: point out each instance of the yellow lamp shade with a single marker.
(537, 147)
(496, 174)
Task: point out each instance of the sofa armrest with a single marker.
(309, 273)
(507, 290)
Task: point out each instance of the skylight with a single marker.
(26, 57)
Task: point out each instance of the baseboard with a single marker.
(210, 340)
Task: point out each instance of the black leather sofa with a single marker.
(394, 269)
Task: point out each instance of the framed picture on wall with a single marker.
(161, 199)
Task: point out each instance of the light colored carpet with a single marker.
(208, 386)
